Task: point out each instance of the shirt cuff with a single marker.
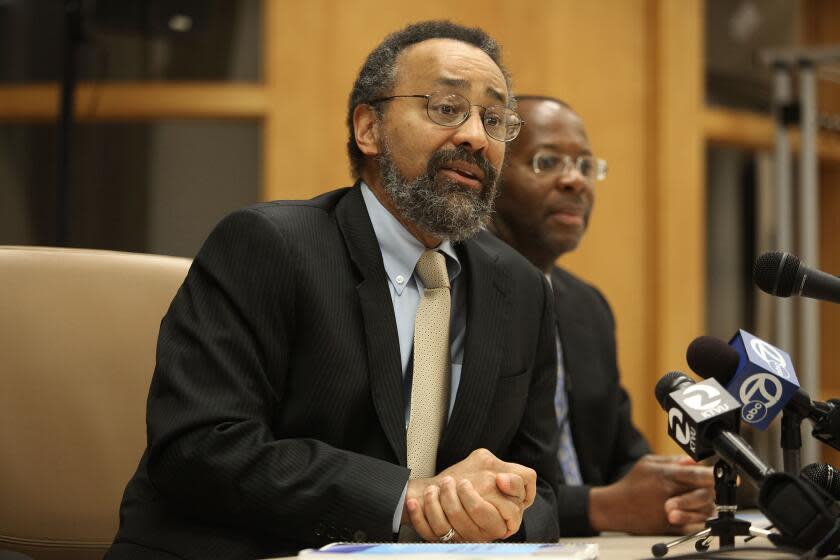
(395, 524)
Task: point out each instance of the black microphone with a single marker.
(703, 419)
(827, 428)
(824, 476)
(782, 274)
(805, 514)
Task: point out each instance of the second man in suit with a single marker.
(611, 481)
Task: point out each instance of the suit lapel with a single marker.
(487, 315)
(383, 350)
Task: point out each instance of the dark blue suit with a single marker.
(606, 441)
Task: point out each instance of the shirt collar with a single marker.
(401, 250)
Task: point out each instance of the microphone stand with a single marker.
(791, 441)
(725, 526)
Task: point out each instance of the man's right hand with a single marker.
(482, 498)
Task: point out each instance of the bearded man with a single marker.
(367, 363)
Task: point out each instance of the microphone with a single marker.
(710, 357)
(806, 515)
(758, 374)
(703, 419)
(824, 476)
(782, 274)
(827, 428)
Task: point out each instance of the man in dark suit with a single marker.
(611, 481)
(288, 365)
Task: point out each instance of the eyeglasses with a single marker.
(451, 109)
(589, 167)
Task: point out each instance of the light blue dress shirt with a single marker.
(400, 253)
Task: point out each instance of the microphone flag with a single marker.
(692, 409)
(764, 381)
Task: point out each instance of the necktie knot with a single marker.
(431, 268)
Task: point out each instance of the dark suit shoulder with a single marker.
(281, 211)
(573, 290)
(510, 259)
(298, 222)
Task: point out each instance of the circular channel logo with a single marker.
(753, 412)
(761, 387)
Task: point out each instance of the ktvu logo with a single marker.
(759, 392)
(704, 399)
(685, 435)
(771, 356)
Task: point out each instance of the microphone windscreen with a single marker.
(775, 273)
(824, 476)
(669, 383)
(710, 357)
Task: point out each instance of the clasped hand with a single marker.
(482, 498)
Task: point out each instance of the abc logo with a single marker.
(754, 411)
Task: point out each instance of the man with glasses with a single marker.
(611, 483)
(367, 363)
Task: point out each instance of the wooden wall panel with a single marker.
(829, 312)
(135, 101)
(601, 66)
(679, 239)
(819, 28)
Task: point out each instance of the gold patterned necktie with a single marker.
(430, 383)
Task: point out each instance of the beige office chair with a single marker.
(77, 349)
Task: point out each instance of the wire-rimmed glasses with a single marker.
(451, 110)
(548, 162)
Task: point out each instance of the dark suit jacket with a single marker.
(276, 416)
(606, 441)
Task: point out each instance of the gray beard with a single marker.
(440, 208)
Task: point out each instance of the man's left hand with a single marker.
(658, 495)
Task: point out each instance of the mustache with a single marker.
(442, 158)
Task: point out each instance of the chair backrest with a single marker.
(77, 349)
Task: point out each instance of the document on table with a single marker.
(460, 551)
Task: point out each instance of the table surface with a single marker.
(624, 547)
(619, 546)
